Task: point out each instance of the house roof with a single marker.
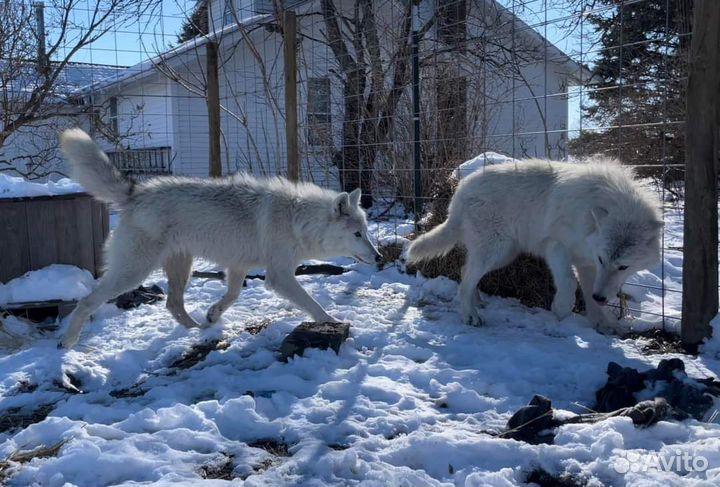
(73, 76)
(146, 67)
(575, 70)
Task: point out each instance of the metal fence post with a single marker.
(702, 135)
(416, 125)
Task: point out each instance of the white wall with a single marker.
(252, 96)
(39, 142)
(145, 112)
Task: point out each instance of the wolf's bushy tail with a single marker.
(90, 166)
(438, 241)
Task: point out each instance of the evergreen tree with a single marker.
(197, 24)
(637, 101)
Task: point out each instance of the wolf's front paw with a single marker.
(604, 324)
(67, 342)
(472, 317)
(213, 314)
(561, 309)
(606, 328)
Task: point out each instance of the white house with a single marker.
(32, 149)
(510, 82)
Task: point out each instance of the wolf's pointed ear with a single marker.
(341, 204)
(598, 215)
(355, 197)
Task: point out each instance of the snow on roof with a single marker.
(71, 77)
(146, 67)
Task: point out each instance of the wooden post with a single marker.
(213, 106)
(702, 147)
(290, 67)
(42, 60)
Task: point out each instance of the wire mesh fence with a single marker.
(393, 96)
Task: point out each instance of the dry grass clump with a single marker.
(527, 279)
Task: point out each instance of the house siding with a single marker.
(252, 96)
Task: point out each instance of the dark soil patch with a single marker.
(18, 418)
(198, 353)
(271, 446)
(256, 327)
(660, 341)
(26, 456)
(221, 469)
(544, 478)
(128, 392)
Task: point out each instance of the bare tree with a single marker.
(34, 54)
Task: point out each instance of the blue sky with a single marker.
(136, 39)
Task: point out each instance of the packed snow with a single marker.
(480, 161)
(17, 187)
(411, 399)
(57, 281)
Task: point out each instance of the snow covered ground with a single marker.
(409, 400)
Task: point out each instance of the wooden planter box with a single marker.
(42, 230)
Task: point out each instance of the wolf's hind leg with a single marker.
(177, 268)
(285, 284)
(235, 280)
(479, 261)
(558, 261)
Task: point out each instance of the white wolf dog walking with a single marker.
(238, 222)
(593, 217)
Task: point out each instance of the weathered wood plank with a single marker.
(73, 220)
(99, 215)
(42, 235)
(14, 253)
(702, 149)
(213, 106)
(36, 232)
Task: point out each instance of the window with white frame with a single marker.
(113, 117)
(318, 111)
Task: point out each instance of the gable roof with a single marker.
(575, 70)
(72, 76)
(148, 66)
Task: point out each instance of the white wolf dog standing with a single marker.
(593, 217)
(238, 222)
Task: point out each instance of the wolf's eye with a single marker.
(358, 234)
(622, 268)
(601, 261)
